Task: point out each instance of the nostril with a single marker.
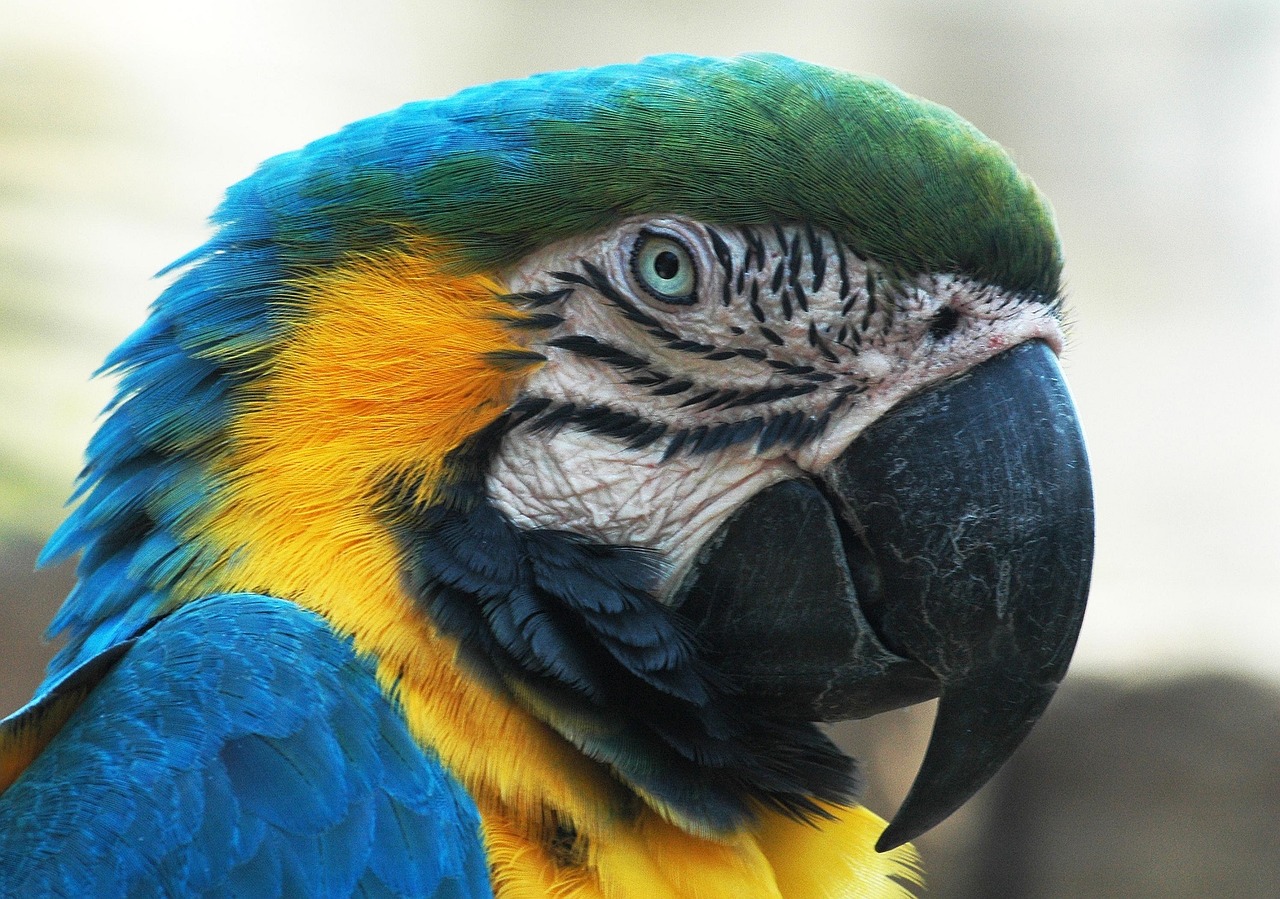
(944, 321)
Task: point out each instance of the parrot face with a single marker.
(691, 368)
(601, 433)
(760, 357)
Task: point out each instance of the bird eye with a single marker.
(665, 269)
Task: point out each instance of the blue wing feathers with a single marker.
(238, 748)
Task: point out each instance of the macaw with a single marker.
(500, 499)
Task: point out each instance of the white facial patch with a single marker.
(691, 366)
(581, 482)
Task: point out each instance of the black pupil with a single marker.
(666, 265)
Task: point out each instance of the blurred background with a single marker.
(1154, 127)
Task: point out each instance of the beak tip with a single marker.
(972, 739)
(892, 838)
(917, 815)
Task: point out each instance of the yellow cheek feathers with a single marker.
(391, 368)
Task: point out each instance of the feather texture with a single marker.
(571, 629)
(238, 748)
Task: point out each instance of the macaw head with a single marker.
(689, 402)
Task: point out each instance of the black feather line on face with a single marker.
(725, 258)
(818, 255)
(639, 432)
(754, 302)
(755, 245)
(784, 299)
(538, 321)
(596, 279)
(779, 272)
(537, 298)
(791, 428)
(585, 345)
(844, 275)
(574, 623)
(802, 299)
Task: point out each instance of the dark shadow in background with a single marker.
(1165, 789)
(28, 600)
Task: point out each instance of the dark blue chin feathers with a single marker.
(570, 630)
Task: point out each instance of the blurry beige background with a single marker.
(1153, 127)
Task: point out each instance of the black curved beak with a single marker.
(946, 552)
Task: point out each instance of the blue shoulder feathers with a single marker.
(238, 748)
